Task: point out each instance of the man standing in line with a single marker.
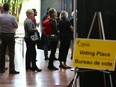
(8, 27)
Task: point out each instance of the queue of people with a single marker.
(62, 30)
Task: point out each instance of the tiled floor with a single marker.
(46, 78)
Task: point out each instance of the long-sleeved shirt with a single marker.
(64, 28)
(28, 26)
(54, 27)
(8, 23)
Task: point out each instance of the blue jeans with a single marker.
(45, 48)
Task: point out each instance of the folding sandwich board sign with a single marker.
(94, 54)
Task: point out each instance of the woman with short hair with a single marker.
(30, 45)
(66, 31)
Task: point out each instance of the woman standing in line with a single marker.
(66, 31)
(30, 45)
(53, 44)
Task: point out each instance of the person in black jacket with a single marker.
(66, 30)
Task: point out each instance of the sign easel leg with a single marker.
(74, 80)
(92, 24)
(110, 77)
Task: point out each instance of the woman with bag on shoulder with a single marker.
(52, 31)
(30, 40)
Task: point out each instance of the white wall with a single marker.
(29, 5)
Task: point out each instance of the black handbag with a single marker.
(42, 41)
(40, 44)
(52, 38)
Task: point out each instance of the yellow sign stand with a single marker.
(94, 54)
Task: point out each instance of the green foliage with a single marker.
(15, 7)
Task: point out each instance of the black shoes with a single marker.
(6, 68)
(46, 58)
(55, 58)
(64, 67)
(52, 68)
(37, 70)
(2, 71)
(14, 72)
(34, 69)
(10, 72)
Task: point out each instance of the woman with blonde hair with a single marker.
(29, 27)
(53, 44)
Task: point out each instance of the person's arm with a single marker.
(14, 23)
(30, 26)
(72, 29)
(70, 26)
(54, 27)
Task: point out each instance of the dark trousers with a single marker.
(8, 40)
(53, 46)
(30, 54)
(63, 50)
(45, 47)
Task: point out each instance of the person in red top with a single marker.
(33, 19)
(52, 16)
(45, 41)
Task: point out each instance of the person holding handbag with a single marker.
(29, 28)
